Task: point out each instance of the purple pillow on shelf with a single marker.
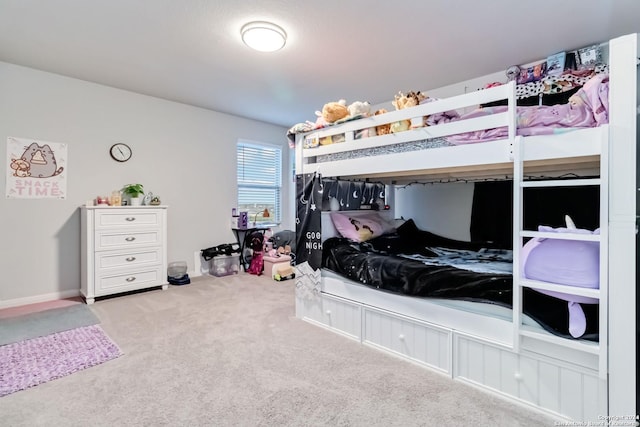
(566, 262)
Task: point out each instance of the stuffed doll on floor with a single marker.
(256, 244)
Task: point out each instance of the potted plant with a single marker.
(134, 191)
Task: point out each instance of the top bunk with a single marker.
(469, 135)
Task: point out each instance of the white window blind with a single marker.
(259, 180)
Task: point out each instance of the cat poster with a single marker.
(36, 169)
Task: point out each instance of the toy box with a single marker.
(224, 265)
(271, 264)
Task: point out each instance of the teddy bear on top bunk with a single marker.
(331, 113)
(338, 111)
(359, 110)
(402, 101)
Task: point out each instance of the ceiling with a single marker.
(190, 51)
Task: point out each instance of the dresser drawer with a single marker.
(128, 218)
(121, 282)
(127, 239)
(126, 259)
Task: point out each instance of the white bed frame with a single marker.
(575, 379)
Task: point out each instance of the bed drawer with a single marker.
(421, 342)
(342, 315)
(129, 218)
(555, 385)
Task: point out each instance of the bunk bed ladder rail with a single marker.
(519, 233)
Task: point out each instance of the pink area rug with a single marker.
(35, 361)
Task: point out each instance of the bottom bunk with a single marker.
(394, 287)
(464, 340)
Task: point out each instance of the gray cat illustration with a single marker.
(42, 160)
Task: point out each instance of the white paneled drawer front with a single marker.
(554, 385)
(128, 218)
(128, 259)
(109, 239)
(342, 315)
(126, 281)
(309, 306)
(419, 341)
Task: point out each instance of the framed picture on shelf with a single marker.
(555, 64)
(589, 56)
(533, 73)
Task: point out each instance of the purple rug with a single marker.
(31, 362)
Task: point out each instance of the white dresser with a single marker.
(123, 249)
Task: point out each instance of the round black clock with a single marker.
(120, 152)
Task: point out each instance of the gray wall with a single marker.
(185, 155)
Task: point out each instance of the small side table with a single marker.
(241, 238)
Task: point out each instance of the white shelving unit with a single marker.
(519, 184)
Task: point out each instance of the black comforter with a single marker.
(411, 262)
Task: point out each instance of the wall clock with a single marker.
(120, 152)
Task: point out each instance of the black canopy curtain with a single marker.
(309, 192)
(316, 194)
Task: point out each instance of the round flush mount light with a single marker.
(263, 36)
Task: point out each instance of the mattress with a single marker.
(476, 308)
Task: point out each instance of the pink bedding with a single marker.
(589, 107)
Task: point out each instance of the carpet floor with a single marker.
(229, 351)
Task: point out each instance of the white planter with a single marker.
(135, 201)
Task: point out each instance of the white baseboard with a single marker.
(200, 266)
(16, 302)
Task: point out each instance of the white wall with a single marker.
(443, 209)
(183, 154)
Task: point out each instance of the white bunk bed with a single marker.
(501, 352)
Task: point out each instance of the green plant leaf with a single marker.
(133, 190)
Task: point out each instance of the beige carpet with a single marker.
(229, 352)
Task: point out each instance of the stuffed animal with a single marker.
(567, 262)
(333, 111)
(359, 108)
(382, 129)
(402, 101)
(256, 243)
(400, 126)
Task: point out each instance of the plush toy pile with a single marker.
(338, 111)
(402, 101)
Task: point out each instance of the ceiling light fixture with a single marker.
(263, 36)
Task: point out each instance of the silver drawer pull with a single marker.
(131, 279)
(130, 239)
(130, 218)
(131, 258)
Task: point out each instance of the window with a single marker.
(259, 181)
